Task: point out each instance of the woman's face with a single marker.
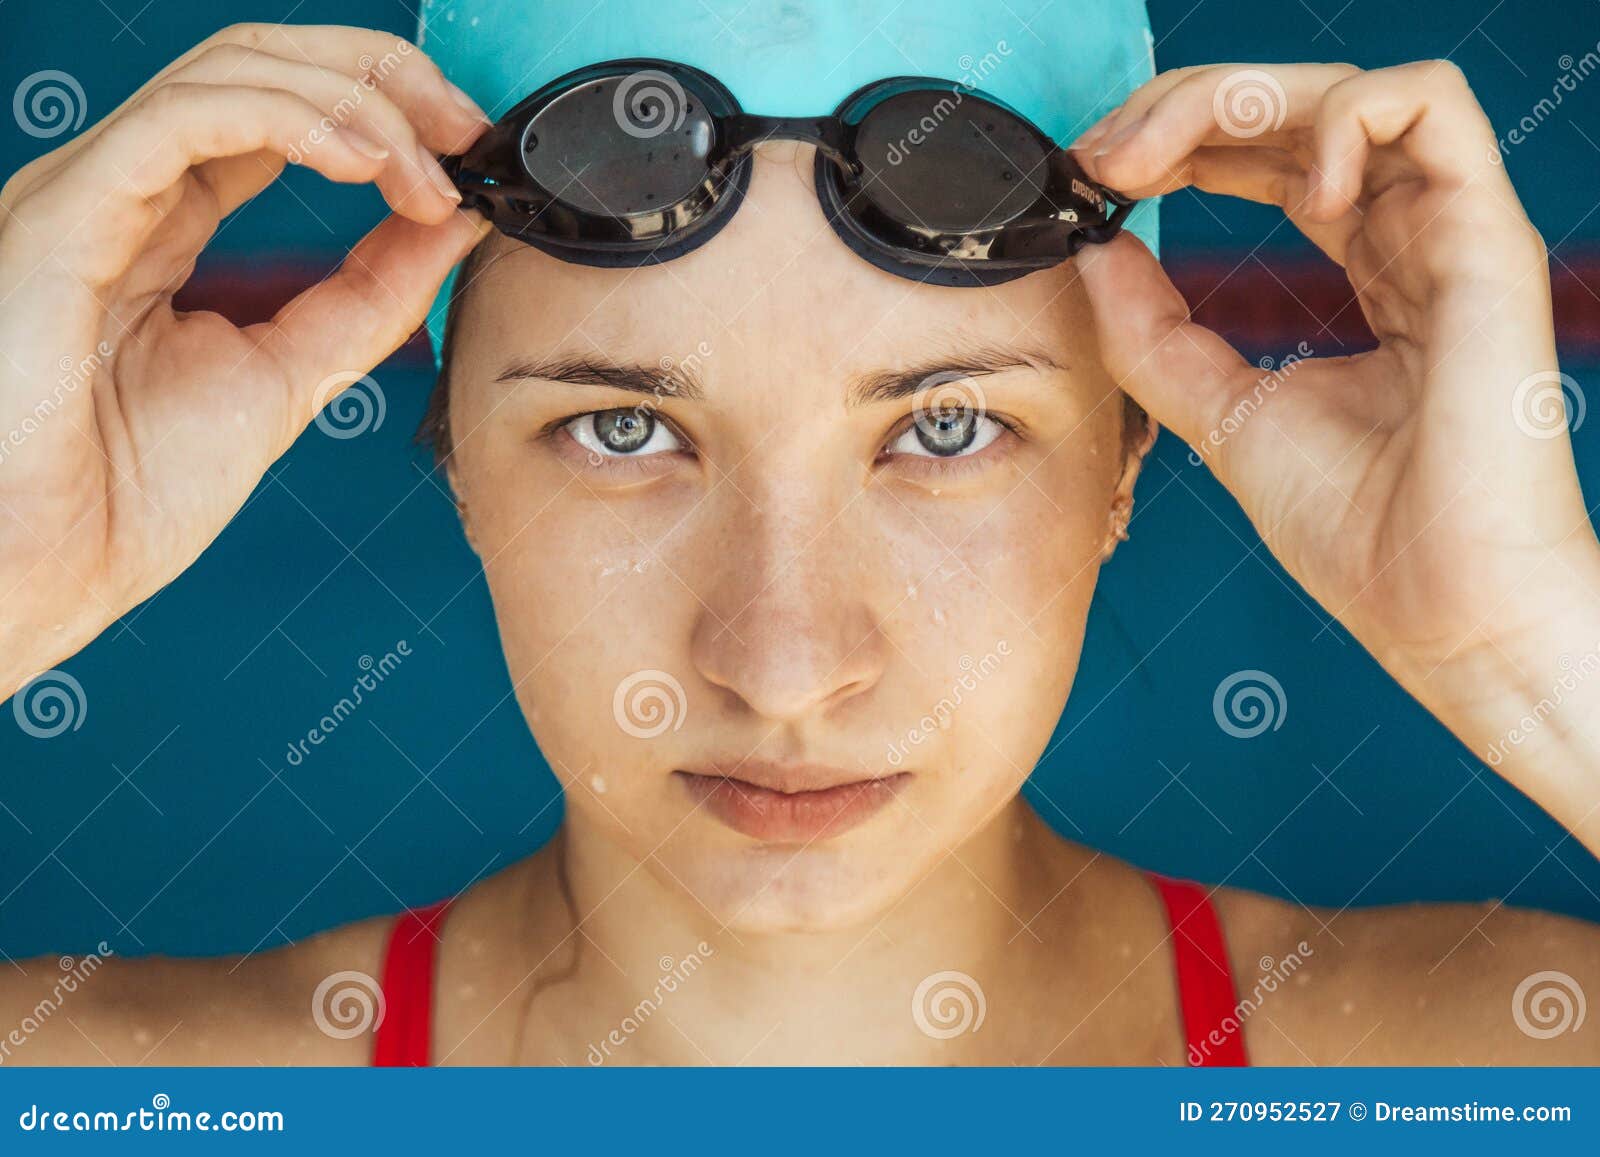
(798, 619)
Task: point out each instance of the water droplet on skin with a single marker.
(598, 784)
(1347, 1007)
(911, 590)
(938, 615)
(141, 1036)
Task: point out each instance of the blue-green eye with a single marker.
(947, 432)
(623, 434)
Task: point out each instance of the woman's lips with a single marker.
(796, 816)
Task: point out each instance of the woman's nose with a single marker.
(789, 627)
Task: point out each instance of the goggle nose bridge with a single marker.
(831, 136)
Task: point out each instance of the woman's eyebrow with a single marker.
(658, 380)
(974, 362)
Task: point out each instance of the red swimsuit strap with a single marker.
(405, 1034)
(1205, 979)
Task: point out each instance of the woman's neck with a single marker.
(657, 979)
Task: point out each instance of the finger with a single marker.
(1427, 108)
(365, 311)
(1222, 105)
(234, 180)
(444, 116)
(1135, 105)
(1266, 176)
(446, 119)
(410, 173)
(95, 214)
(1182, 373)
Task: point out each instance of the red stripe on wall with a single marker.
(1262, 304)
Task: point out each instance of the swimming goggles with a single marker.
(633, 162)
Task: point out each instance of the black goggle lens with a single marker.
(620, 146)
(640, 161)
(946, 164)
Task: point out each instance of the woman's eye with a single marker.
(622, 434)
(946, 432)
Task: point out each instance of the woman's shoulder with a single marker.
(299, 1004)
(1421, 983)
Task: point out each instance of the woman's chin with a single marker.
(775, 888)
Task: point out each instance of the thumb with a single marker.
(1181, 373)
(358, 316)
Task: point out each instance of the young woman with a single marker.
(801, 565)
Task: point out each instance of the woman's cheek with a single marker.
(996, 592)
(1022, 550)
(585, 596)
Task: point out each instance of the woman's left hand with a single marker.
(1424, 492)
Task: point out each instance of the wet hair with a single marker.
(434, 431)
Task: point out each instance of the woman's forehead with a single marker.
(775, 282)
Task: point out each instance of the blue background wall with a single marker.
(171, 820)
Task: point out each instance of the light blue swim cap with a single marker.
(1061, 63)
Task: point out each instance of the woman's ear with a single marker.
(1139, 435)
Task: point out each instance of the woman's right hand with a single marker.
(130, 433)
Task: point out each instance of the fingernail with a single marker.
(366, 146)
(1092, 133)
(466, 102)
(437, 175)
(1120, 137)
